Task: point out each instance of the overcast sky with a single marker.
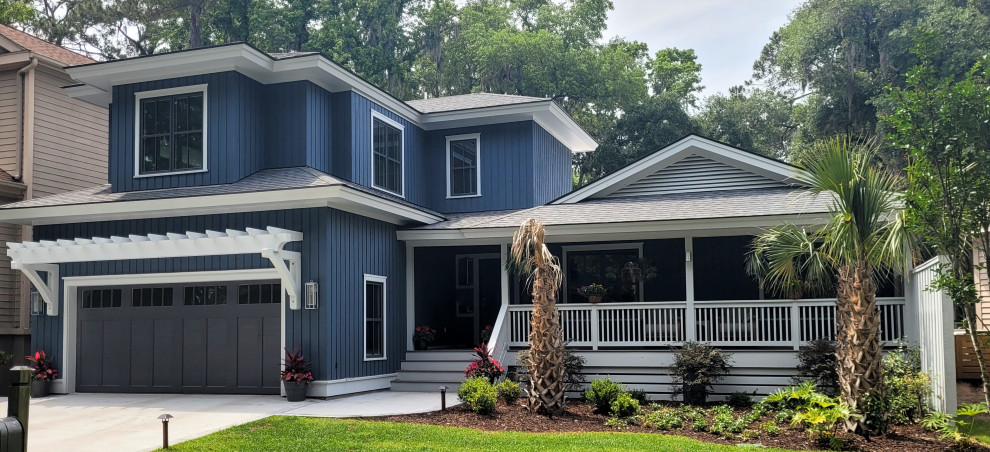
(727, 35)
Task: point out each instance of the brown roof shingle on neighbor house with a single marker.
(67, 57)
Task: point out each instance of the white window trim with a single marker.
(638, 246)
(477, 167)
(402, 133)
(364, 318)
(138, 96)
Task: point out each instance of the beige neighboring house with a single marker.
(49, 144)
(982, 287)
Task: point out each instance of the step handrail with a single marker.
(498, 344)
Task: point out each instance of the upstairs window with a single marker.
(386, 153)
(463, 165)
(170, 131)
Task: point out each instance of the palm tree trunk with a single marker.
(859, 351)
(546, 342)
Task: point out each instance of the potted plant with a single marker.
(423, 337)
(593, 292)
(296, 376)
(42, 375)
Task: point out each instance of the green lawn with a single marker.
(980, 431)
(299, 433)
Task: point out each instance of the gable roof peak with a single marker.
(718, 166)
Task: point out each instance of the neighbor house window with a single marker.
(463, 165)
(386, 153)
(374, 317)
(614, 266)
(171, 126)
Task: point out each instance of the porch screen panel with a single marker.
(603, 267)
(374, 320)
(720, 269)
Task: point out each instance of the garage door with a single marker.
(219, 338)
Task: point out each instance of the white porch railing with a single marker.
(765, 323)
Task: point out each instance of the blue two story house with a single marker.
(253, 205)
(259, 202)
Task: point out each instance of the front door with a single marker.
(479, 296)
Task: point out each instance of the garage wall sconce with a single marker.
(312, 295)
(37, 306)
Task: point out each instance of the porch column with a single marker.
(503, 252)
(689, 314)
(410, 296)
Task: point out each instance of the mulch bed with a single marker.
(579, 417)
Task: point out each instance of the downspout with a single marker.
(25, 172)
(25, 138)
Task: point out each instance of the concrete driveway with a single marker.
(128, 422)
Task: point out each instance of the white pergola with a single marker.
(45, 255)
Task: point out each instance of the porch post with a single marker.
(410, 296)
(503, 256)
(689, 314)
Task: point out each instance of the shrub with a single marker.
(739, 400)
(700, 424)
(784, 416)
(573, 368)
(624, 405)
(771, 428)
(908, 388)
(816, 362)
(821, 419)
(485, 366)
(639, 395)
(44, 369)
(697, 367)
(509, 391)
(479, 395)
(722, 424)
(602, 393)
(663, 420)
(616, 423)
(750, 434)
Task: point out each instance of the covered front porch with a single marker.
(659, 292)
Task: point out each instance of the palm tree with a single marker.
(863, 239)
(529, 256)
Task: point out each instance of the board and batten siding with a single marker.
(358, 145)
(70, 138)
(298, 127)
(337, 249)
(10, 109)
(695, 173)
(234, 127)
(552, 167)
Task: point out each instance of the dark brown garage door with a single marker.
(221, 338)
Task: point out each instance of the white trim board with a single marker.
(669, 155)
(141, 95)
(343, 386)
(364, 316)
(71, 285)
(335, 196)
(402, 152)
(477, 164)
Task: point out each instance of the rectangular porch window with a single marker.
(374, 317)
(611, 265)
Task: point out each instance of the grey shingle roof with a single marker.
(469, 101)
(265, 180)
(680, 206)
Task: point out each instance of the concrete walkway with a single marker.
(128, 422)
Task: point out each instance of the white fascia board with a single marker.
(546, 113)
(671, 154)
(612, 231)
(88, 93)
(338, 197)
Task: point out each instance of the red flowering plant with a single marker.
(43, 367)
(485, 366)
(297, 368)
(424, 334)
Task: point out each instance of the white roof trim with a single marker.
(101, 77)
(669, 155)
(338, 197)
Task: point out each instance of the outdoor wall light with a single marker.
(312, 295)
(36, 303)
